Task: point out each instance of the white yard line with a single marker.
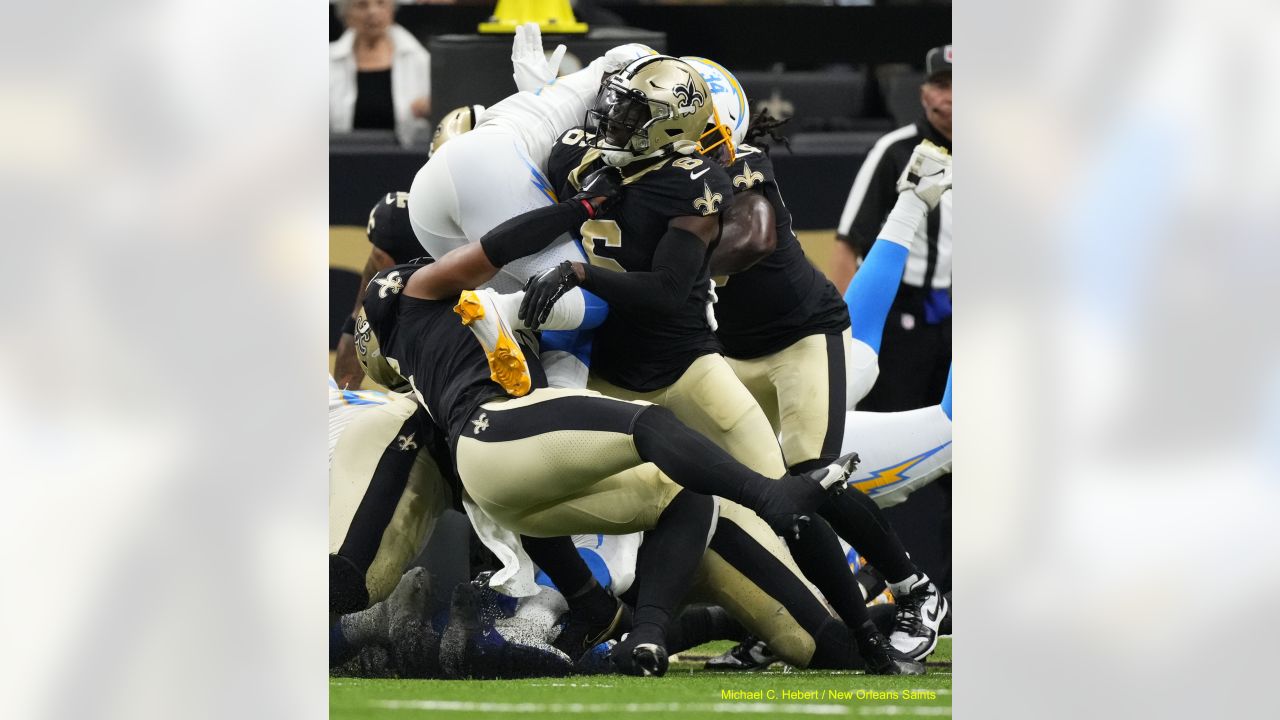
(648, 708)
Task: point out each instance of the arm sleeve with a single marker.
(873, 194)
(531, 232)
(676, 264)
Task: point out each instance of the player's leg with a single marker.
(404, 495)
(810, 381)
(433, 205)
(522, 463)
(749, 572)
(495, 180)
(754, 376)
(711, 400)
(368, 478)
(526, 434)
(901, 452)
(565, 345)
(594, 614)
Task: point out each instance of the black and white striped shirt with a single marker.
(873, 195)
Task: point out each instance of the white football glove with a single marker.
(532, 69)
(928, 173)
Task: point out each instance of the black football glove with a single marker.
(604, 183)
(543, 290)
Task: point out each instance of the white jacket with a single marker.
(410, 79)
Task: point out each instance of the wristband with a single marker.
(349, 325)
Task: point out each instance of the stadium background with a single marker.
(844, 76)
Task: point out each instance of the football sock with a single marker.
(563, 368)
(819, 556)
(340, 649)
(702, 624)
(858, 520)
(693, 461)
(667, 561)
(834, 648)
(559, 559)
(577, 309)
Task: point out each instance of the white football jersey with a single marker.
(344, 404)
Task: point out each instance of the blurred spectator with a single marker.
(915, 353)
(379, 74)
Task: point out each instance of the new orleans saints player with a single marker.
(648, 254)
(541, 464)
(786, 334)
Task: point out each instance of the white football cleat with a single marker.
(507, 365)
(928, 173)
(920, 611)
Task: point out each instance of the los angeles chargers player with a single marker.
(496, 172)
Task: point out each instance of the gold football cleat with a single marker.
(507, 365)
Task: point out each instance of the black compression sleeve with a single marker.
(529, 233)
(676, 262)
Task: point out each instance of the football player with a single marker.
(495, 172)
(386, 489)
(392, 241)
(572, 461)
(648, 243)
(786, 335)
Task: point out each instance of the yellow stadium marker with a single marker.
(552, 16)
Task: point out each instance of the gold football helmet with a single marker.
(454, 123)
(656, 105)
(371, 359)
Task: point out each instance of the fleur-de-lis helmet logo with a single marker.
(688, 95)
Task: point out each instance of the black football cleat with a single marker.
(920, 612)
(642, 659)
(750, 654)
(582, 632)
(882, 659)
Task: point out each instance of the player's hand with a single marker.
(601, 190)
(531, 68)
(543, 290)
(619, 57)
(928, 173)
(346, 368)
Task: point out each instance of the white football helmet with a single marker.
(729, 126)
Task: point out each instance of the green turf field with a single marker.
(687, 691)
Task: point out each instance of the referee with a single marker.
(915, 353)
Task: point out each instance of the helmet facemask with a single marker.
(656, 109)
(717, 141)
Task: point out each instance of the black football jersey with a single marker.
(639, 351)
(783, 297)
(426, 342)
(389, 228)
